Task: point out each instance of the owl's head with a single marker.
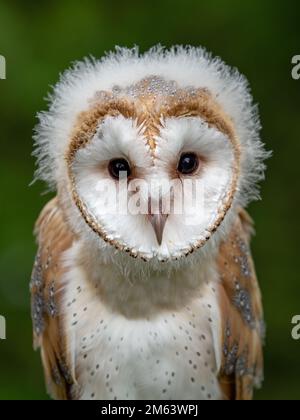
(151, 154)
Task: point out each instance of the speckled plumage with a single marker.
(206, 349)
(118, 313)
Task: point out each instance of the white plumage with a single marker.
(146, 306)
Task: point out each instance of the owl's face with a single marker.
(151, 154)
(153, 168)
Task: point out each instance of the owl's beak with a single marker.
(158, 222)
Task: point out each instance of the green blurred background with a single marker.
(40, 39)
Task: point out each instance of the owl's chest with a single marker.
(169, 356)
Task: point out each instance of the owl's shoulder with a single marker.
(242, 315)
(54, 238)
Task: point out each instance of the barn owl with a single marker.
(153, 304)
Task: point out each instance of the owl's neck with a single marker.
(138, 289)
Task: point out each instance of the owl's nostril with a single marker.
(158, 222)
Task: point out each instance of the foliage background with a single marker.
(40, 39)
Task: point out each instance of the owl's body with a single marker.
(166, 356)
(148, 306)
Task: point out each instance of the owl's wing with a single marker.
(241, 314)
(53, 239)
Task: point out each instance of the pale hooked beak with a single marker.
(158, 222)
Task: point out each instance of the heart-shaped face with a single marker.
(153, 168)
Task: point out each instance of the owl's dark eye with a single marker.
(188, 163)
(117, 166)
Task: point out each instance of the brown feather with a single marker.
(242, 315)
(46, 295)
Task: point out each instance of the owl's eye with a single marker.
(188, 163)
(117, 166)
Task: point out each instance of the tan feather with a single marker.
(46, 295)
(242, 315)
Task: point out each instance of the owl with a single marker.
(143, 286)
